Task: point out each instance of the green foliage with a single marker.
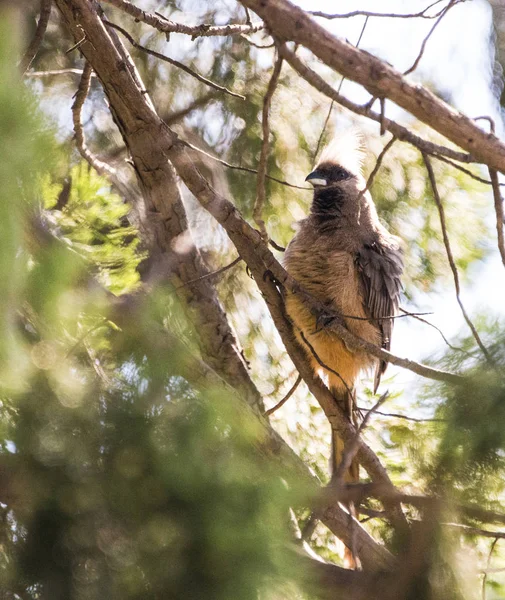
(93, 222)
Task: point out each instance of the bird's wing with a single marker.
(380, 267)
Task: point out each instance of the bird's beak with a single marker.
(316, 179)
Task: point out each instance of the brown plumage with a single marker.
(344, 257)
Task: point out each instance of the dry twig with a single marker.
(173, 62)
(351, 447)
(265, 145)
(498, 207)
(33, 48)
(364, 13)
(418, 317)
(488, 564)
(245, 169)
(425, 41)
(80, 96)
(450, 257)
(211, 274)
(164, 25)
(282, 402)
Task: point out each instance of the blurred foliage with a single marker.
(93, 221)
(135, 484)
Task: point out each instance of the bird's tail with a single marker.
(345, 400)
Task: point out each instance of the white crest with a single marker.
(346, 150)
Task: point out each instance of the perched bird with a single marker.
(345, 258)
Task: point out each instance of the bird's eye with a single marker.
(339, 174)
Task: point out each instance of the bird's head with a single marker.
(327, 174)
(337, 178)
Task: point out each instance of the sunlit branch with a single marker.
(54, 73)
(364, 13)
(166, 26)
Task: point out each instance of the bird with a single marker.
(345, 258)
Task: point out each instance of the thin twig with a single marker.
(325, 124)
(282, 402)
(211, 274)
(80, 96)
(425, 41)
(419, 318)
(265, 145)
(498, 207)
(375, 170)
(166, 26)
(173, 62)
(33, 48)
(275, 245)
(476, 531)
(399, 131)
(364, 13)
(400, 416)
(463, 170)
(484, 579)
(450, 257)
(406, 314)
(352, 447)
(245, 169)
(259, 46)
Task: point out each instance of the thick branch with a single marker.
(164, 224)
(289, 22)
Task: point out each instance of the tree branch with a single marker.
(498, 207)
(166, 26)
(450, 257)
(262, 163)
(173, 62)
(100, 166)
(163, 219)
(289, 22)
(399, 131)
(33, 48)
